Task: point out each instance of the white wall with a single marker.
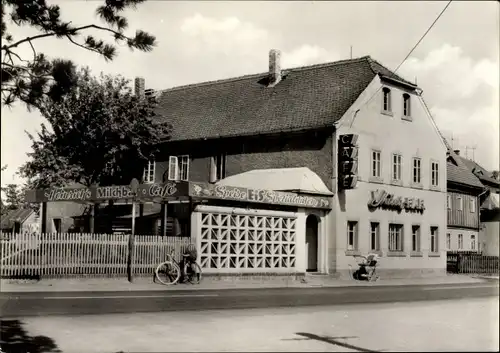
(391, 134)
(466, 234)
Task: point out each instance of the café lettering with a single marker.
(383, 199)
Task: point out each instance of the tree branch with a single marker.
(73, 31)
(82, 46)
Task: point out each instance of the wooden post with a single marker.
(92, 219)
(134, 184)
(43, 218)
(131, 241)
(163, 221)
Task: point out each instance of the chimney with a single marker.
(140, 87)
(457, 152)
(274, 66)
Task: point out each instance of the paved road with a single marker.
(16, 304)
(466, 325)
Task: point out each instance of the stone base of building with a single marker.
(257, 276)
(398, 273)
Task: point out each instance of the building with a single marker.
(20, 221)
(276, 130)
(489, 232)
(464, 190)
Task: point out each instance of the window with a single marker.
(376, 164)
(406, 105)
(395, 237)
(374, 236)
(460, 242)
(178, 168)
(415, 238)
(148, 176)
(448, 241)
(217, 168)
(448, 201)
(397, 161)
(416, 171)
(57, 225)
(472, 242)
(387, 99)
(460, 202)
(472, 205)
(352, 232)
(434, 239)
(434, 174)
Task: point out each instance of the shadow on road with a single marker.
(334, 341)
(15, 339)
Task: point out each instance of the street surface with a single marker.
(78, 303)
(446, 325)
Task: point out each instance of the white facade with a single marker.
(389, 134)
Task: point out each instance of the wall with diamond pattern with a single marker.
(239, 241)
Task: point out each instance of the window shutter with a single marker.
(213, 169)
(173, 168)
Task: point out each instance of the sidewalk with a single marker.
(146, 284)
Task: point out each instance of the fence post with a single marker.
(134, 184)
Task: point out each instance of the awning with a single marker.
(300, 180)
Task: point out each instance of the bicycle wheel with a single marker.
(192, 272)
(168, 273)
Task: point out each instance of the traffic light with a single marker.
(347, 161)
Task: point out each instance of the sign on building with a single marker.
(347, 162)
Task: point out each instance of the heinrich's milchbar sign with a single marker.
(171, 190)
(384, 200)
(103, 193)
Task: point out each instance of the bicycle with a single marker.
(169, 272)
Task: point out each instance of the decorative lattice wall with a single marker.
(232, 241)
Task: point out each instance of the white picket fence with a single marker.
(86, 255)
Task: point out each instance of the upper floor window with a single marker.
(148, 176)
(178, 168)
(448, 241)
(406, 105)
(416, 170)
(376, 164)
(434, 174)
(387, 99)
(397, 161)
(217, 168)
(473, 242)
(472, 205)
(460, 206)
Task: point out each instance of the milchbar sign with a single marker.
(383, 199)
(102, 193)
(223, 192)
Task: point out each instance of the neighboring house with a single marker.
(463, 191)
(20, 221)
(489, 233)
(277, 124)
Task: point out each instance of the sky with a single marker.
(456, 65)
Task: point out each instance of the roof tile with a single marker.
(308, 97)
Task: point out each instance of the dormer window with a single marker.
(406, 105)
(387, 99)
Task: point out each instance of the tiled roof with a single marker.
(479, 171)
(19, 215)
(458, 173)
(307, 98)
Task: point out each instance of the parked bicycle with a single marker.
(169, 272)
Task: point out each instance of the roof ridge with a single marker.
(371, 61)
(244, 77)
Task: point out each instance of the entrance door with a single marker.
(312, 243)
